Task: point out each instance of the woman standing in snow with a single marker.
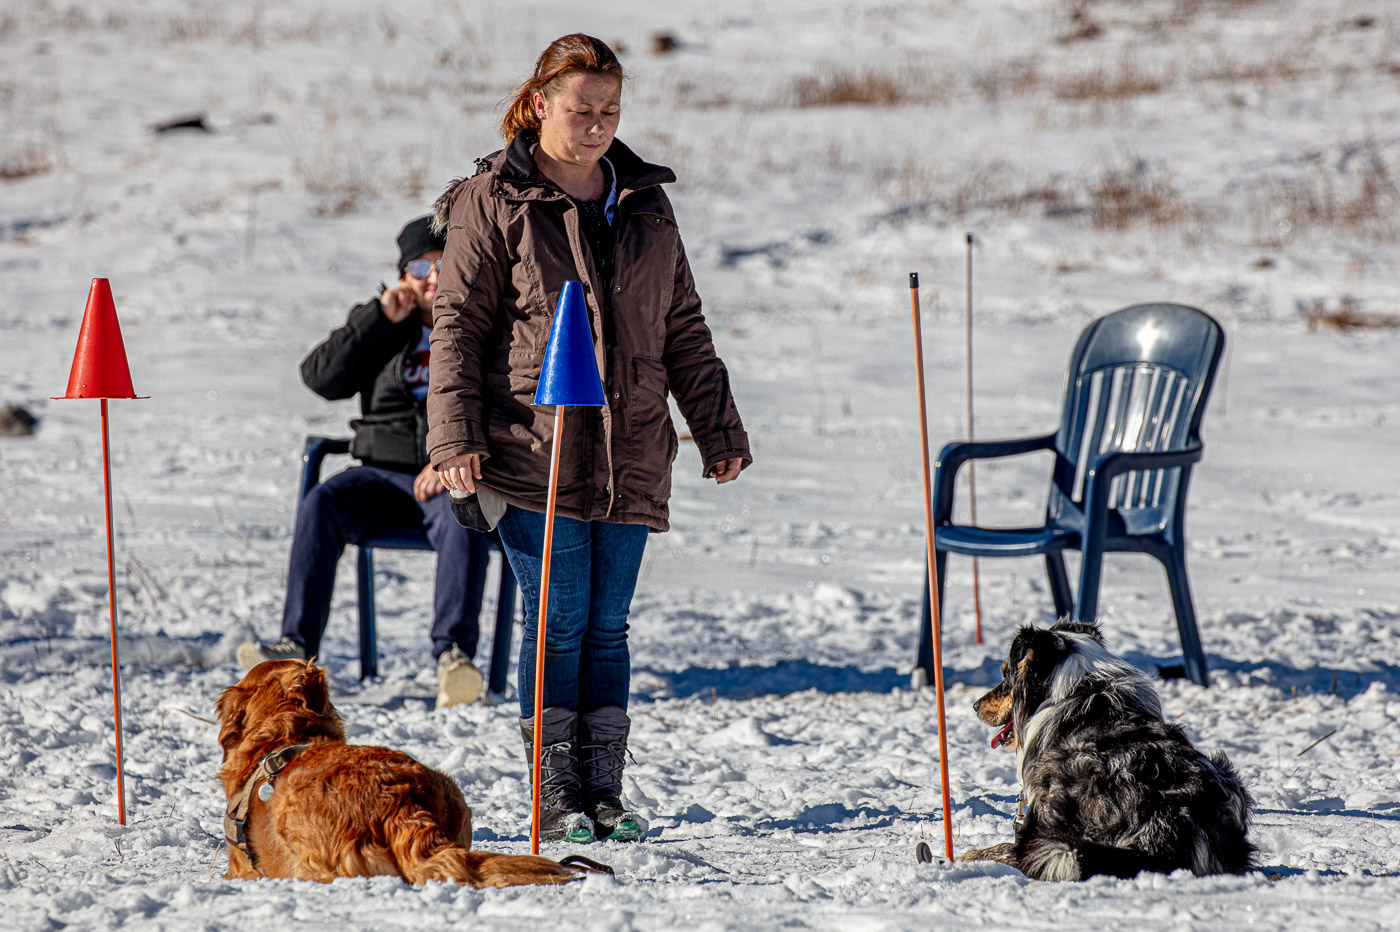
(565, 200)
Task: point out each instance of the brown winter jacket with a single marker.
(513, 239)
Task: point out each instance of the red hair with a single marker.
(565, 57)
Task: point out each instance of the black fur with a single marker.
(1109, 787)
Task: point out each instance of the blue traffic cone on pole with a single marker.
(568, 376)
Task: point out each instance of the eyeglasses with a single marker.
(419, 268)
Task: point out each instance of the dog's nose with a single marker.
(977, 706)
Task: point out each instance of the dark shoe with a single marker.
(602, 756)
(562, 816)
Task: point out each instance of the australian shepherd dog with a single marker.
(305, 805)
(1107, 786)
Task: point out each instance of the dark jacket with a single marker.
(513, 239)
(366, 356)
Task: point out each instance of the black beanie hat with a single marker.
(416, 239)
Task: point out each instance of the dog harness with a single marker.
(236, 816)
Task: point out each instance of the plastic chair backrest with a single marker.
(1137, 382)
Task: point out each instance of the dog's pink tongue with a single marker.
(1007, 732)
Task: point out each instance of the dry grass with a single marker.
(909, 83)
(25, 161)
(1135, 193)
(1082, 26)
(1116, 196)
(257, 27)
(1014, 77)
(1281, 63)
(1128, 77)
(1360, 197)
(339, 177)
(998, 187)
(1347, 316)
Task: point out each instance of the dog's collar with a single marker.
(236, 815)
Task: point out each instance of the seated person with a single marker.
(381, 353)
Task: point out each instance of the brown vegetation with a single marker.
(909, 83)
(1345, 317)
(1128, 77)
(24, 161)
(1139, 192)
(1361, 197)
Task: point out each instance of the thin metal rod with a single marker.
(971, 467)
(934, 609)
(544, 613)
(112, 603)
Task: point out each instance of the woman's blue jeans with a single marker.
(592, 575)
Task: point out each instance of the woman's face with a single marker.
(579, 122)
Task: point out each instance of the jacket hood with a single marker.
(515, 166)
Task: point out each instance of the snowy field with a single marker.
(1240, 156)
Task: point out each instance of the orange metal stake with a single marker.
(544, 613)
(971, 474)
(112, 600)
(934, 619)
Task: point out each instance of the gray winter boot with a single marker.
(602, 755)
(562, 816)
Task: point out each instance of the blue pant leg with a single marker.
(605, 665)
(461, 577)
(344, 509)
(522, 534)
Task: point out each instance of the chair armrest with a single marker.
(313, 453)
(1106, 466)
(953, 455)
(1098, 481)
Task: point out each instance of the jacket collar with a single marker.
(517, 174)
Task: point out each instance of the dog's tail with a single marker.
(483, 869)
(1061, 859)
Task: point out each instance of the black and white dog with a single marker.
(1107, 786)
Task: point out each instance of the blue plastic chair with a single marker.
(1135, 391)
(312, 456)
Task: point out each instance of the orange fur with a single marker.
(342, 810)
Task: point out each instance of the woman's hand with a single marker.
(461, 472)
(427, 484)
(397, 303)
(727, 471)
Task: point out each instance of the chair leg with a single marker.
(505, 629)
(924, 659)
(364, 580)
(1086, 606)
(1059, 583)
(1192, 654)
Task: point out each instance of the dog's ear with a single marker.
(1027, 659)
(1089, 628)
(310, 689)
(232, 707)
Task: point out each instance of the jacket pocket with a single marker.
(652, 438)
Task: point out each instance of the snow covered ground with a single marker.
(1241, 156)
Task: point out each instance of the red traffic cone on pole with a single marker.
(99, 363)
(568, 376)
(100, 371)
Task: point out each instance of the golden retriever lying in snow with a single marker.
(305, 805)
